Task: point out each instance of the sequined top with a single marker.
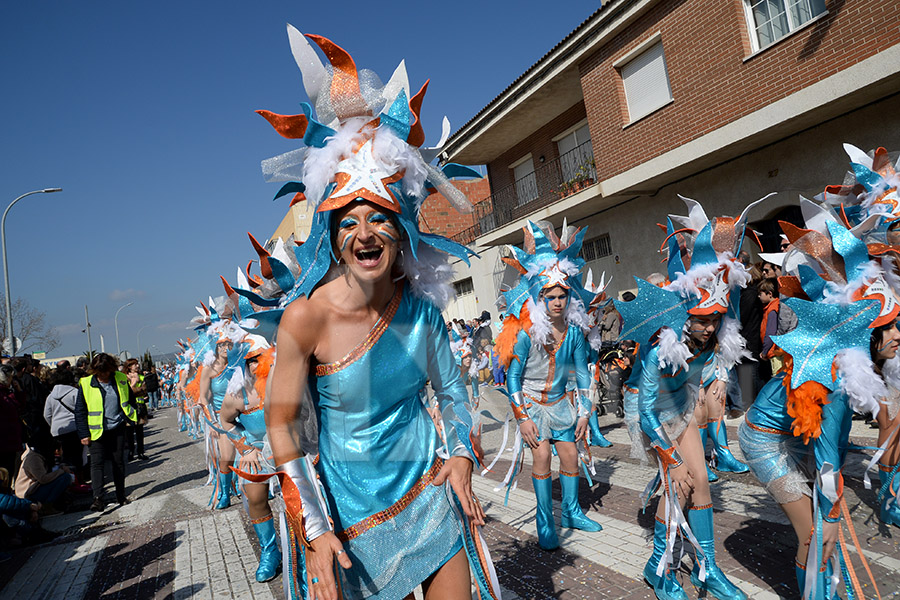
(542, 372)
(218, 387)
(663, 392)
(376, 440)
(253, 421)
(769, 412)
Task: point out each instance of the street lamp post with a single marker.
(139, 338)
(9, 327)
(116, 321)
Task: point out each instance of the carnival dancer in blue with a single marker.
(542, 340)
(870, 190)
(218, 367)
(687, 339)
(389, 504)
(796, 435)
(243, 420)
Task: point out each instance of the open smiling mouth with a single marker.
(369, 257)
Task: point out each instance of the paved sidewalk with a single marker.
(167, 544)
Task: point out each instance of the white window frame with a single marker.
(792, 27)
(620, 65)
(524, 193)
(567, 169)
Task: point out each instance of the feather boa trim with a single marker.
(672, 352)
(192, 389)
(859, 381)
(732, 345)
(506, 339)
(804, 404)
(891, 372)
(264, 364)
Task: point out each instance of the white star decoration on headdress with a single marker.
(879, 289)
(555, 276)
(360, 175)
(717, 290)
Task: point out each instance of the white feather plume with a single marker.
(431, 276)
(672, 351)
(541, 329)
(858, 380)
(891, 372)
(843, 294)
(236, 382)
(732, 345)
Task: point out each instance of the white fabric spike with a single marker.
(314, 74)
(866, 225)
(398, 82)
(242, 282)
(742, 220)
(858, 156)
(589, 281)
(815, 216)
(429, 154)
(695, 213)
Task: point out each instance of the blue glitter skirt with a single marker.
(781, 462)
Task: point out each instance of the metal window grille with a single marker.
(596, 248)
(464, 286)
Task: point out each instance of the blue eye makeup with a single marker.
(348, 222)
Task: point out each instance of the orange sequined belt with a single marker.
(766, 429)
(394, 509)
(539, 402)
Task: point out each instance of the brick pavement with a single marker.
(167, 544)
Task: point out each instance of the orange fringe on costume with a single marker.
(506, 341)
(192, 390)
(805, 403)
(264, 364)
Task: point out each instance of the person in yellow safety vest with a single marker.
(104, 406)
(136, 433)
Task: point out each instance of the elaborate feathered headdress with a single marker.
(838, 295)
(364, 144)
(702, 273)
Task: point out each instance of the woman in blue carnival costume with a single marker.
(388, 505)
(243, 420)
(871, 189)
(688, 339)
(796, 435)
(218, 367)
(542, 340)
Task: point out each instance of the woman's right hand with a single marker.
(319, 566)
(529, 433)
(829, 539)
(682, 480)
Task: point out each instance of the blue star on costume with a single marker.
(824, 330)
(652, 308)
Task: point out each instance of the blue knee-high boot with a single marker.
(546, 527)
(597, 438)
(890, 503)
(269, 555)
(716, 584)
(223, 500)
(725, 460)
(710, 474)
(572, 515)
(665, 587)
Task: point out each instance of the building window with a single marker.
(596, 248)
(526, 182)
(646, 82)
(464, 286)
(771, 20)
(575, 152)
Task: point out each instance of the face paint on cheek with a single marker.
(345, 240)
(345, 231)
(383, 226)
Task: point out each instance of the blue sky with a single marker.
(143, 113)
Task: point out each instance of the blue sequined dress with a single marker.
(377, 450)
(782, 462)
(541, 373)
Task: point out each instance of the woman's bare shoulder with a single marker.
(303, 320)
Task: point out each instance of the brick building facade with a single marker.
(722, 101)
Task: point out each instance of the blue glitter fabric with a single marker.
(770, 459)
(218, 386)
(542, 375)
(376, 442)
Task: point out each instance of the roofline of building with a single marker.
(605, 22)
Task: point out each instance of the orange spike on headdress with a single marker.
(264, 266)
(204, 308)
(293, 127)
(416, 135)
(515, 264)
(253, 280)
(346, 97)
(298, 197)
(229, 291)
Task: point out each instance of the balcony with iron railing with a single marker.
(549, 183)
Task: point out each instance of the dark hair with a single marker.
(130, 363)
(62, 377)
(103, 363)
(20, 362)
(875, 341)
(769, 286)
